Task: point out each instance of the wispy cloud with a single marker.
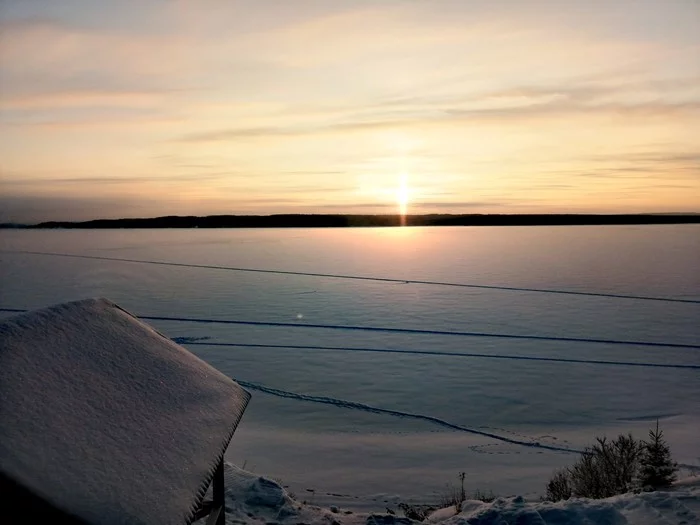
(24, 181)
(82, 99)
(552, 106)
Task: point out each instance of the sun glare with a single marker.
(402, 198)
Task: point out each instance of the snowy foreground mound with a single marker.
(254, 499)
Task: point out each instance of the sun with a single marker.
(402, 195)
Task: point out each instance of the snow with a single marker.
(254, 499)
(105, 418)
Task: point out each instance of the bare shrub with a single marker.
(416, 512)
(454, 496)
(603, 470)
(559, 486)
(486, 497)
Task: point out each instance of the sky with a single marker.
(200, 107)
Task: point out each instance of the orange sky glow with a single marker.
(149, 108)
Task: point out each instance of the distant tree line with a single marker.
(349, 221)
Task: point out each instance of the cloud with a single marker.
(115, 98)
(650, 166)
(44, 57)
(107, 121)
(33, 209)
(17, 180)
(690, 158)
(617, 96)
(554, 108)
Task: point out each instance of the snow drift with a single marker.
(254, 499)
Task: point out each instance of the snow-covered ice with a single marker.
(310, 421)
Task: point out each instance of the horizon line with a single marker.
(374, 219)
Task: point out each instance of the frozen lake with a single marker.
(329, 418)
